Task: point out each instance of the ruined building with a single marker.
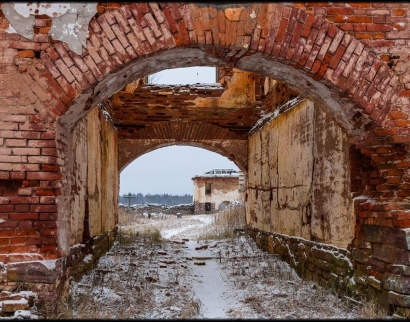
(312, 104)
(215, 189)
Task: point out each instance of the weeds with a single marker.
(225, 222)
(130, 283)
(371, 310)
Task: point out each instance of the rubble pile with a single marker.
(156, 208)
(19, 305)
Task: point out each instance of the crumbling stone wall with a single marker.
(88, 205)
(328, 265)
(204, 115)
(169, 210)
(321, 198)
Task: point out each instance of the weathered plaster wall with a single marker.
(222, 189)
(333, 218)
(299, 179)
(89, 202)
(69, 21)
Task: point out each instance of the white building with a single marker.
(215, 189)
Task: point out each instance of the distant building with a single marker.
(215, 189)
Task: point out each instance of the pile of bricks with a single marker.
(20, 305)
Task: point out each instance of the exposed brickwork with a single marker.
(196, 134)
(275, 95)
(359, 172)
(382, 26)
(151, 104)
(358, 52)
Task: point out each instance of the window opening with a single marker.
(207, 188)
(207, 206)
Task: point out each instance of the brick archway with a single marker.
(196, 134)
(287, 43)
(57, 91)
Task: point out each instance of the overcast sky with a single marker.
(170, 169)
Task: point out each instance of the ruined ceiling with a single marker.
(234, 106)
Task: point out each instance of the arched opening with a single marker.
(223, 205)
(140, 140)
(343, 83)
(169, 170)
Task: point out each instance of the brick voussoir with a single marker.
(321, 36)
(183, 32)
(350, 50)
(138, 15)
(68, 90)
(93, 67)
(64, 54)
(82, 80)
(188, 19)
(106, 27)
(137, 30)
(78, 61)
(336, 41)
(159, 16)
(121, 16)
(120, 36)
(95, 26)
(153, 25)
(50, 65)
(337, 57)
(373, 70)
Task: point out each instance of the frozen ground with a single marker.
(180, 276)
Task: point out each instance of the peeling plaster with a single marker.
(18, 23)
(69, 20)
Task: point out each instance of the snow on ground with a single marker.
(181, 276)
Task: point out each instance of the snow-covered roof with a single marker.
(219, 173)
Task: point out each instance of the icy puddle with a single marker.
(181, 277)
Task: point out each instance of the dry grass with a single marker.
(225, 222)
(284, 295)
(128, 217)
(372, 310)
(130, 228)
(125, 284)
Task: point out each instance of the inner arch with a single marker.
(170, 168)
(189, 57)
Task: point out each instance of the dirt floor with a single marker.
(163, 268)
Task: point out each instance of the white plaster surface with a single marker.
(69, 20)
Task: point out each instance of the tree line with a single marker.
(162, 199)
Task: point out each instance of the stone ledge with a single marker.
(398, 299)
(35, 272)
